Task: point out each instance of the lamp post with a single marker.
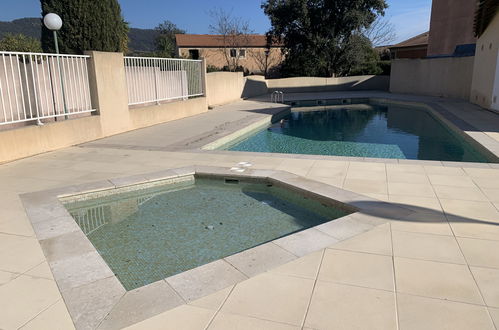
(54, 23)
(267, 53)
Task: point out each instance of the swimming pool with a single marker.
(148, 234)
(362, 130)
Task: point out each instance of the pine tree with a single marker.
(87, 25)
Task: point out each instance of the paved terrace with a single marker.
(438, 268)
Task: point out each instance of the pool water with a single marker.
(362, 130)
(150, 234)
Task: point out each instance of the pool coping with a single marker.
(96, 299)
(477, 138)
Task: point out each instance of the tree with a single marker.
(381, 32)
(359, 57)
(165, 41)
(20, 43)
(234, 34)
(317, 34)
(87, 25)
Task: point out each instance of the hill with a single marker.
(140, 40)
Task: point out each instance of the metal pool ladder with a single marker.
(277, 97)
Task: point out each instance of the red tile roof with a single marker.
(419, 40)
(213, 40)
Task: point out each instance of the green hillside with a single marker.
(140, 40)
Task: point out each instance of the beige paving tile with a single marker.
(485, 182)
(54, 317)
(225, 321)
(441, 170)
(272, 297)
(6, 277)
(336, 306)
(492, 194)
(307, 266)
(418, 204)
(410, 189)
(488, 282)
(478, 252)
(381, 197)
(451, 180)
(494, 313)
(377, 241)
(25, 297)
(329, 169)
(214, 300)
(42, 270)
(404, 168)
(407, 177)
(18, 254)
(427, 247)
(365, 175)
(355, 268)
(417, 313)
(367, 166)
(423, 222)
(470, 209)
(436, 280)
(184, 317)
(15, 225)
(460, 193)
(470, 228)
(366, 186)
(336, 181)
(482, 173)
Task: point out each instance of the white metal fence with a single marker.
(35, 86)
(160, 79)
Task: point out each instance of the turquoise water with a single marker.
(363, 131)
(148, 235)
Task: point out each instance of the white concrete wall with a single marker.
(485, 83)
(446, 77)
(319, 84)
(224, 87)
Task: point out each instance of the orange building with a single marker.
(252, 52)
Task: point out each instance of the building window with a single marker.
(242, 53)
(233, 52)
(194, 54)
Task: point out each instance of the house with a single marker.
(415, 47)
(252, 52)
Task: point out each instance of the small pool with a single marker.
(362, 130)
(148, 234)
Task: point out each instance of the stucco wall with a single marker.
(316, 84)
(485, 85)
(447, 77)
(224, 87)
(109, 96)
(451, 24)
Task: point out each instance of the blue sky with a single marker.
(410, 17)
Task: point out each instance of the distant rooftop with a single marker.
(214, 40)
(419, 40)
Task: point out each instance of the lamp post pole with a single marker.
(53, 22)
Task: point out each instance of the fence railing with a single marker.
(35, 86)
(161, 79)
